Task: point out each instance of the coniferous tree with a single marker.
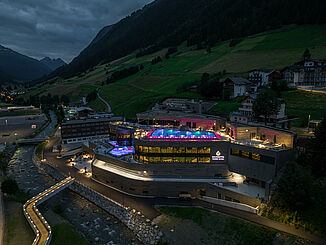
(266, 104)
(306, 55)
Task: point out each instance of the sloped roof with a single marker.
(239, 80)
(263, 70)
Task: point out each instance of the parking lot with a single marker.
(13, 128)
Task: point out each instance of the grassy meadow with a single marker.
(274, 49)
(189, 225)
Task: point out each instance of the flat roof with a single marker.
(238, 124)
(130, 174)
(88, 120)
(249, 190)
(167, 113)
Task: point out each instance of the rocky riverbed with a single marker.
(94, 223)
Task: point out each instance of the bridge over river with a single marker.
(38, 223)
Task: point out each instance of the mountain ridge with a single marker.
(168, 23)
(18, 67)
(53, 64)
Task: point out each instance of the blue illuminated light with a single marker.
(170, 134)
(121, 150)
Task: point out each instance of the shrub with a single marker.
(9, 186)
(58, 209)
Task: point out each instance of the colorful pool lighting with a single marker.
(173, 134)
(121, 151)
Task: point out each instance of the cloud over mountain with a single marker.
(58, 28)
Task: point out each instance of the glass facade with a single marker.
(150, 154)
(173, 150)
(252, 156)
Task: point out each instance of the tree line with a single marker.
(169, 23)
(126, 72)
(302, 187)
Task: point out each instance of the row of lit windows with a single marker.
(145, 159)
(124, 136)
(252, 156)
(177, 150)
(86, 125)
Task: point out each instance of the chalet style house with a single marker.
(264, 77)
(239, 86)
(307, 73)
(245, 113)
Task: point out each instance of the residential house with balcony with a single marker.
(245, 113)
(306, 74)
(239, 86)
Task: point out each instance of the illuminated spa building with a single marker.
(172, 162)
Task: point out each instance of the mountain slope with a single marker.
(52, 64)
(270, 50)
(167, 23)
(15, 66)
(5, 78)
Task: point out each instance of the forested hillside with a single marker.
(165, 23)
(129, 92)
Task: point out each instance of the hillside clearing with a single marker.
(275, 49)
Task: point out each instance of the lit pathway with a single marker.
(40, 226)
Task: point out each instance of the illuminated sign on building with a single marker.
(218, 156)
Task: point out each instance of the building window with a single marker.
(167, 159)
(252, 156)
(235, 152)
(204, 150)
(169, 150)
(164, 150)
(191, 150)
(245, 154)
(180, 150)
(256, 156)
(191, 160)
(204, 160)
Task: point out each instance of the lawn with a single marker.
(65, 234)
(224, 108)
(17, 229)
(275, 49)
(140, 92)
(302, 104)
(188, 225)
(39, 150)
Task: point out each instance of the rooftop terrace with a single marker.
(174, 134)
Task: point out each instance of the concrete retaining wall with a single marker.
(239, 206)
(144, 229)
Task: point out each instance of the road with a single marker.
(147, 205)
(104, 101)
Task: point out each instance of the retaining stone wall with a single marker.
(145, 230)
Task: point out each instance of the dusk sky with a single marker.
(58, 28)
